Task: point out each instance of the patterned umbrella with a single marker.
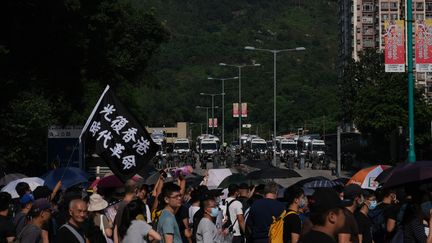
(366, 177)
(320, 184)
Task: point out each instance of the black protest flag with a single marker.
(117, 137)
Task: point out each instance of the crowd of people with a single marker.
(171, 212)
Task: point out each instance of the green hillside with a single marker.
(205, 33)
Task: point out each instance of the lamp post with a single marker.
(239, 66)
(212, 97)
(275, 52)
(411, 151)
(223, 103)
(206, 108)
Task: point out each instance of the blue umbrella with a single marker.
(69, 176)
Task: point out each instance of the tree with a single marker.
(377, 102)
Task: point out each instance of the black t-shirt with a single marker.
(292, 224)
(64, 235)
(182, 213)
(316, 237)
(7, 229)
(365, 227)
(350, 226)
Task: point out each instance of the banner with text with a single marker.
(117, 137)
(244, 111)
(235, 110)
(394, 39)
(423, 44)
(213, 122)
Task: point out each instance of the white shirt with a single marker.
(192, 211)
(234, 209)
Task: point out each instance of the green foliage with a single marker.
(377, 102)
(24, 131)
(62, 54)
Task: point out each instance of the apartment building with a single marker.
(361, 24)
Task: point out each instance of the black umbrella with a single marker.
(409, 173)
(272, 173)
(259, 164)
(238, 178)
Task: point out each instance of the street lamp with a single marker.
(275, 52)
(206, 108)
(223, 103)
(239, 66)
(212, 97)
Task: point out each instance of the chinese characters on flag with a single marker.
(423, 44)
(117, 137)
(394, 39)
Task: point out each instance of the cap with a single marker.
(40, 205)
(351, 191)
(27, 198)
(325, 199)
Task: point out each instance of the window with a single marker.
(358, 18)
(419, 17)
(358, 6)
(385, 16)
(384, 6)
(358, 30)
(367, 7)
(171, 135)
(429, 6)
(393, 5)
(419, 6)
(394, 16)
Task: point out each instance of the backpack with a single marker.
(378, 222)
(276, 231)
(229, 224)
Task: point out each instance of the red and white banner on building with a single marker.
(394, 38)
(244, 111)
(423, 45)
(235, 110)
(213, 122)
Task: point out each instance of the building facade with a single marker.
(361, 24)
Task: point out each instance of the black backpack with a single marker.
(229, 224)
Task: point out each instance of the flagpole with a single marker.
(93, 112)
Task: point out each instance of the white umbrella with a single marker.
(32, 181)
(216, 176)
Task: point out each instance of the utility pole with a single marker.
(338, 165)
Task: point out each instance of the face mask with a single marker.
(426, 208)
(302, 203)
(372, 205)
(214, 212)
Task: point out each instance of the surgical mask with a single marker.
(214, 212)
(372, 205)
(302, 203)
(426, 208)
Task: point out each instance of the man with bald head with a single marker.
(72, 231)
